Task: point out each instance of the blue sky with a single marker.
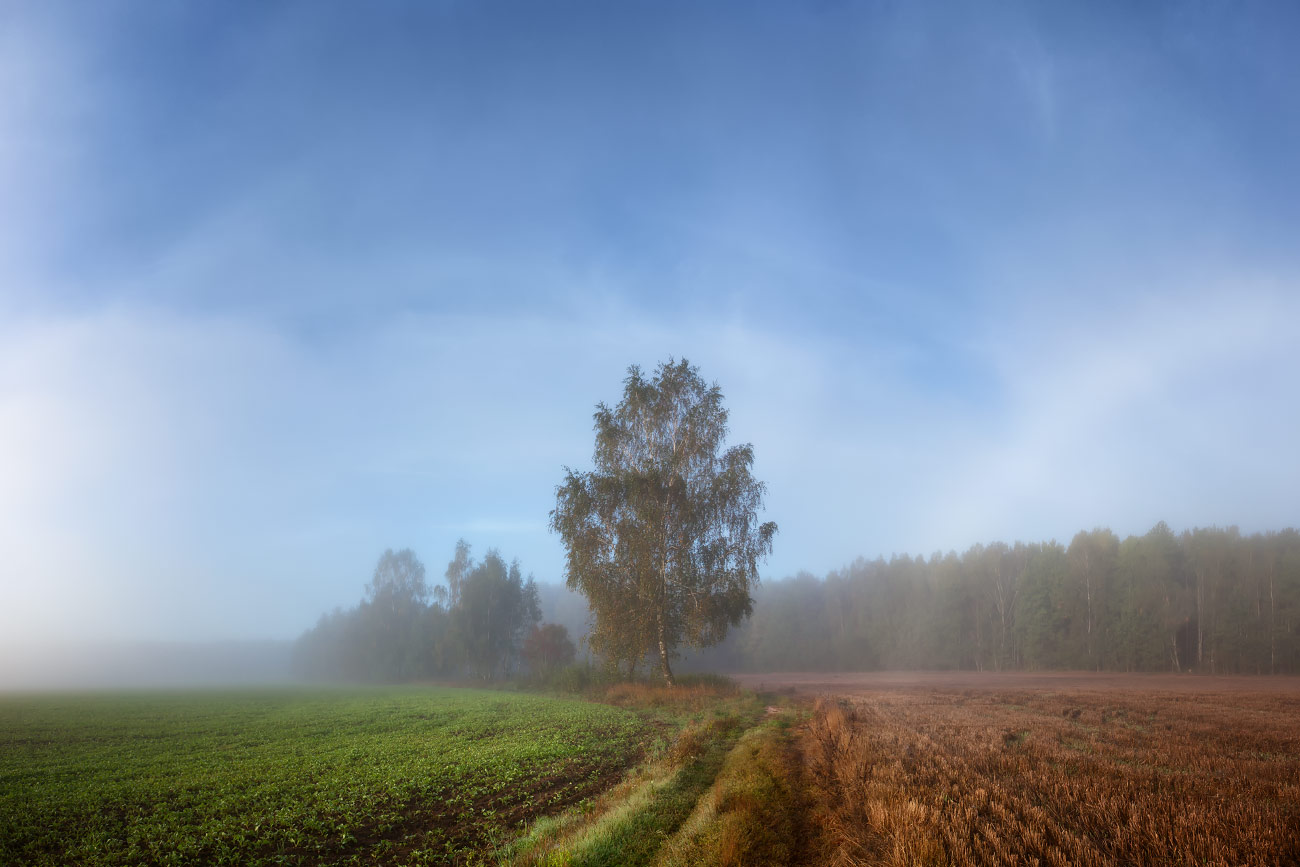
(285, 284)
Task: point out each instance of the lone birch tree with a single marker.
(663, 535)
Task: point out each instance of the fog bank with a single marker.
(143, 665)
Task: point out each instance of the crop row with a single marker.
(413, 775)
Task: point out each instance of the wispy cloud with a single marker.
(1136, 414)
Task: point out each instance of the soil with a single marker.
(852, 683)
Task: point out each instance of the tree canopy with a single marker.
(547, 648)
(495, 610)
(398, 582)
(476, 625)
(663, 535)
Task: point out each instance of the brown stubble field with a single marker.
(1052, 769)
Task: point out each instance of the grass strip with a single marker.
(752, 815)
(629, 824)
(634, 838)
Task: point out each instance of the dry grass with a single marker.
(960, 777)
(753, 813)
(694, 696)
(627, 824)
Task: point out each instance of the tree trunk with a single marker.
(1087, 587)
(1272, 625)
(663, 656)
(1200, 618)
(663, 591)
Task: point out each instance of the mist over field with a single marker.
(125, 664)
(144, 665)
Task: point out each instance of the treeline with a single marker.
(485, 623)
(1209, 600)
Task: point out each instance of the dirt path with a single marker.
(856, 683)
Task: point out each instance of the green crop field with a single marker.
(394, 775)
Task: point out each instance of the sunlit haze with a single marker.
(285, 285)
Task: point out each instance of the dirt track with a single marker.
(850, 683)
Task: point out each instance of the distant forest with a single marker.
(1208, 600)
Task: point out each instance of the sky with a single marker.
(285, 284)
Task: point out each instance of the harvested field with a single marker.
(1055, 769)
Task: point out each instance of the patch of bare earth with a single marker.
(838, 683)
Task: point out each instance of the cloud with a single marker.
(45, 100)
(1136, 414)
